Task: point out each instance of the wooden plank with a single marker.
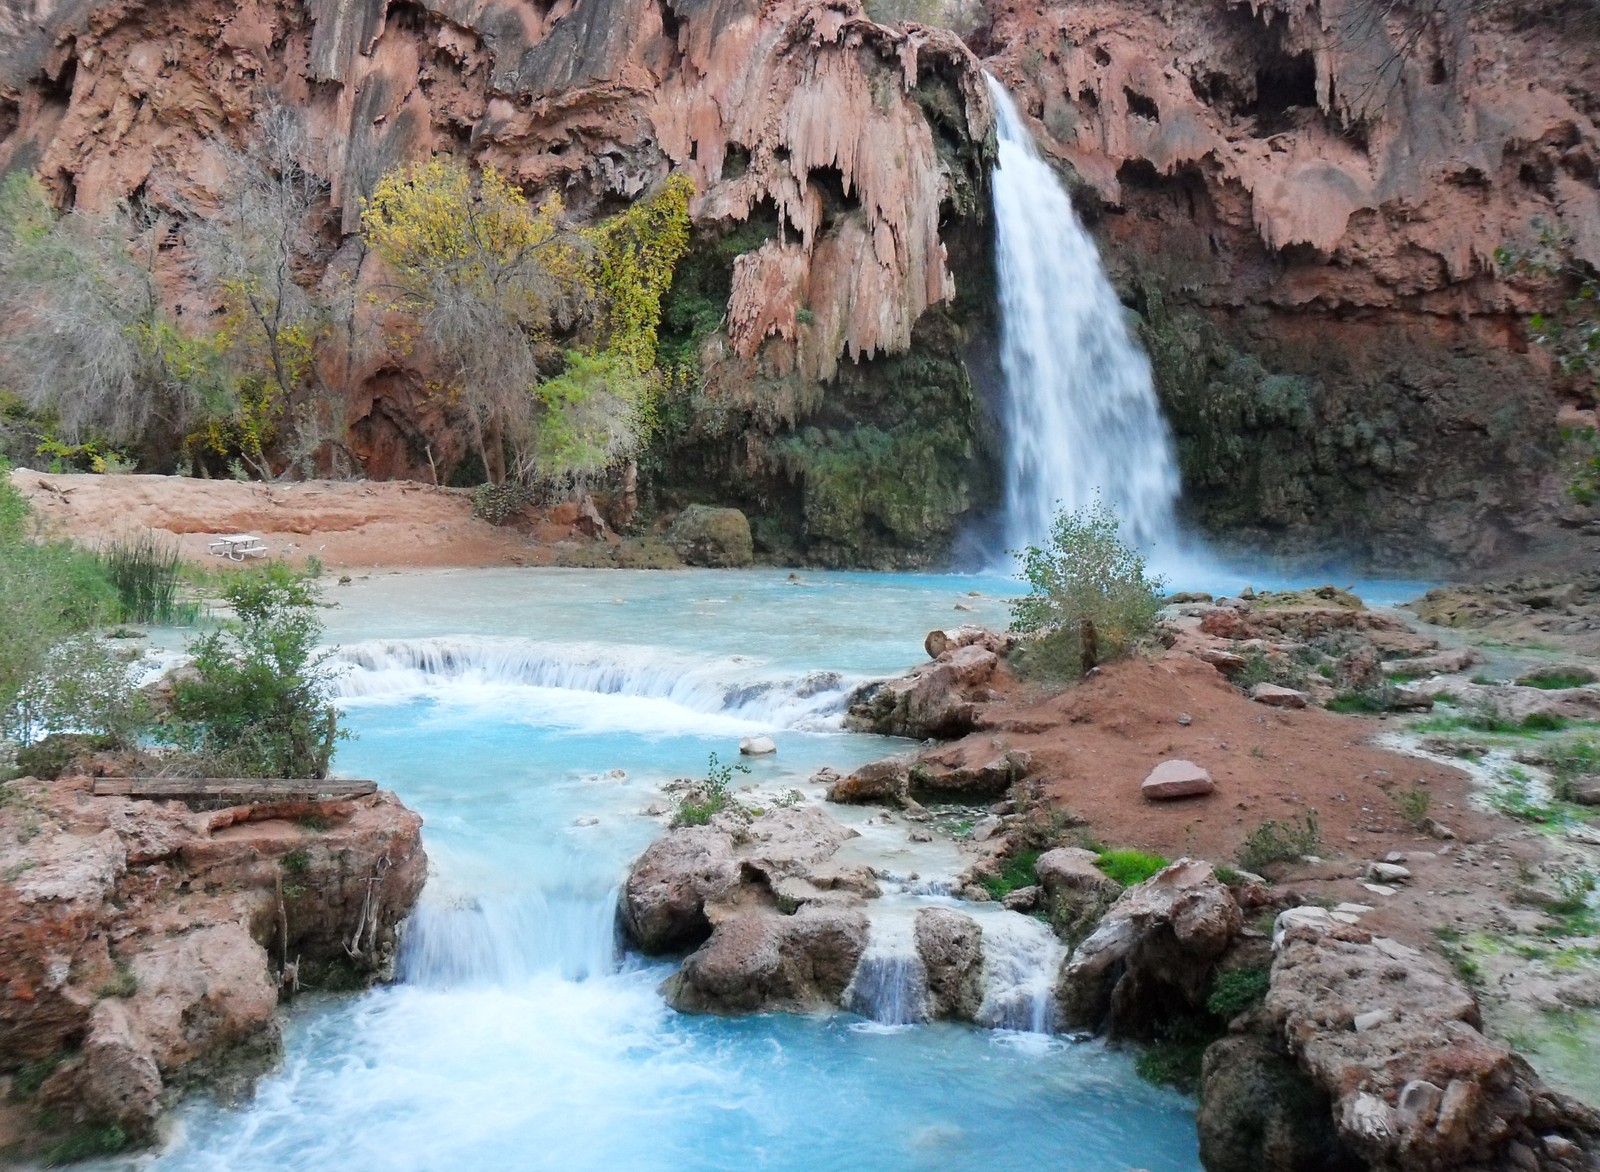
(247, 789)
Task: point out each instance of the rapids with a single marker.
(532, 717)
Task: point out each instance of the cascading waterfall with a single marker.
(1080, 415)
(1020, 959)
(455, 941)
(730, 686)
(890, 985)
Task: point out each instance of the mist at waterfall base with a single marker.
(1079, 409)
(531, 716)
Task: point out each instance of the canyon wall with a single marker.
(1304, 199)
(831, 156)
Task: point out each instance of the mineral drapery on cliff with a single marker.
(836, 153)
(1304, 198)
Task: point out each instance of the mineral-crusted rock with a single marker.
(950, 946)
(663, 901)
(933, 700)
(148, 942)
(760, 959)
(1259, 1112)
(706, 536)
(1152, 953)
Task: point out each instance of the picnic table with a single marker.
(238, 546)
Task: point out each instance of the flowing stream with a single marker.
(1081, 416)
(532, 717)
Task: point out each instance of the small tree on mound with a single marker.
(1089, 600)
(257, 702)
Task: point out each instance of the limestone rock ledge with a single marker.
(144, 946)
(1384, 1042)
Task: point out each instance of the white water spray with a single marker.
(890, 985)
(1081, 414)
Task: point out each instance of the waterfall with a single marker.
(1020, 959)
(734, 686)
(1080, 413)
(890, 985)
(455, 941)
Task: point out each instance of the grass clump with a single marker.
(1358, 703)
(144, 572)
(84, 1143)
(124, 983)
(1089, 598)
(1237, 991)
(1129, 867)
(1414, 804)
(1280, 842)
(1571, 762)
(1017, 872)
(710, 796)
(1175, 1058)
(1556, 678)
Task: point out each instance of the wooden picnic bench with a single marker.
(232, 790)
(239, 546)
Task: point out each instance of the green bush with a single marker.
(256, 703)
(1128, 867)
(1089, 598)
(710, 796)
(1237, 991)
(1280, 842)
(1357, 702)
(51, 592)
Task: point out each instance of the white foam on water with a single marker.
(1021, 958)
(890, 984)
(560, 683)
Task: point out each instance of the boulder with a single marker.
(887, 781)
(705, 536)
(1585, 791)
(974, 767)
(1439, 663)
(933, 700)
(939, 642)
(663, 901)
(764, 960)
(757, 746)
(1067, 869)
(1176, 778)
(1152, 954)
(950, 946)
(1278, 697)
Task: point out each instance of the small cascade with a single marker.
(1081, 415)
(732, 686)
(890, 985)
(1021, 956)
(451, 942)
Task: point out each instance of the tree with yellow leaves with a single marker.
(486, 276)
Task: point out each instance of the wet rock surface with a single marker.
(145, 943)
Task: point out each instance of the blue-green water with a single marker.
(532, 717)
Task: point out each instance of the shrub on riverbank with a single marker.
(257, 702)
(1090, 599)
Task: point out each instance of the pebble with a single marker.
(1370, 1019)
(1185, 719)
(586, 820)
